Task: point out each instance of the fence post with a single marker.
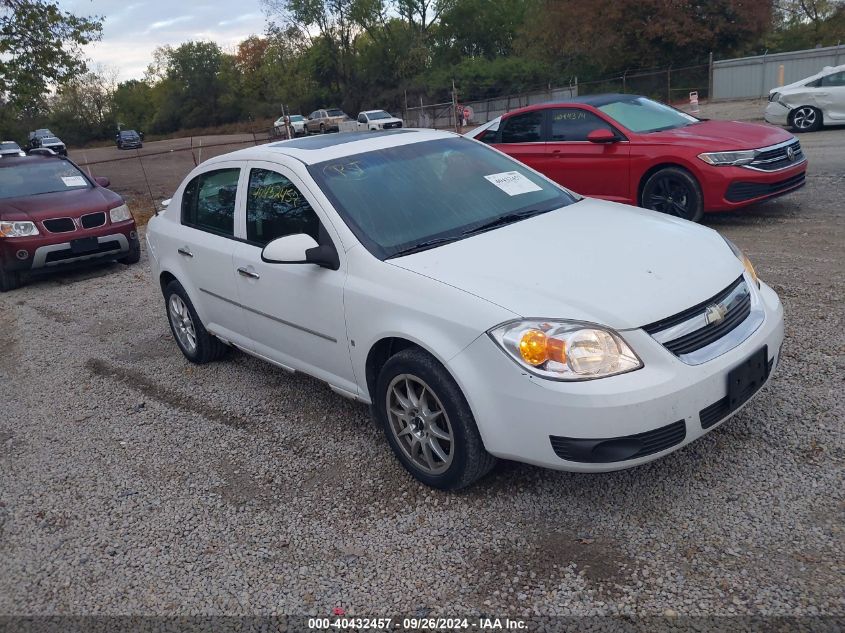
(455, 106)
(763, 75)
(710, 78)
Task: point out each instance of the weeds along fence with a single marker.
(672, 85)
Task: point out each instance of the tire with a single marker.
(183, 318)
(441, 411)
(134, 255)
(805, 119)
(9, 279)
(674, 191)
(322, 128)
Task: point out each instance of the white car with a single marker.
(377, 120)
(297, 122)
(481, 309)
(10, 148)
(809, 104)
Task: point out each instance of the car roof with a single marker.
(595, 101)
(317, 149)
(11, 161)
(369, 111)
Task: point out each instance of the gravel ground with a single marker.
(132, 482)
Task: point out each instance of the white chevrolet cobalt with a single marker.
(480, 309)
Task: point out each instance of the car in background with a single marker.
(630, 149)
(481, 309)
(129, 139)
(328, 120)
(10, 148)
(297, 123)
(52, 214)
(810, 103)
(35, 135)
(377, 120)
(51, 142)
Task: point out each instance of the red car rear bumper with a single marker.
(48, 250)
(728, 188)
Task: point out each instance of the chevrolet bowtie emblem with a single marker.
(715, 314)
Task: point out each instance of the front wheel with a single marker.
(805, 119)
(134, 254)
(674, 191)
(9, 279)
(428, 422)
(193, 339)
(322, 129)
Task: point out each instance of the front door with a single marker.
(600, 170)
(294, 311)
(830, 96)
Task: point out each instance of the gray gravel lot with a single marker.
(132, 482)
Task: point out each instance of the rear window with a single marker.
(38, 177)
(335, 112)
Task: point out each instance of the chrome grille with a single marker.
(778, 157)
(701, 333)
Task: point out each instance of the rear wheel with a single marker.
(193, 339)
(428, 422)
(674, 191)
(805, 119)
(9, 279)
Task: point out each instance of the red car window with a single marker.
(574, 124)
(523, 128)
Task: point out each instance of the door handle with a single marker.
(245, 272)
(185, 251)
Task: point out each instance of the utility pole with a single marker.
(710, 79)
(455, 106)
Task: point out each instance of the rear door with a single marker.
(600, 170)
(203, 242)
(521, 137)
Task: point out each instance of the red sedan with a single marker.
(630, 149)
(52, 214)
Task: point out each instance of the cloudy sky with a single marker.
(133, 28)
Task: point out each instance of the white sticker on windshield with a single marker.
(513, 183)
(74, 181)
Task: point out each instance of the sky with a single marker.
(133, 28)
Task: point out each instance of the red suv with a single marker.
(52, 214)
(630, 149)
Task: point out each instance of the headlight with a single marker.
(565, 350)
(18, 229)
(120, 214)
(749, 268)
(729, 158)
(774, 96)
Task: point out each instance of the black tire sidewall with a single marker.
(9, 279)
(693, 187)
(427, 368)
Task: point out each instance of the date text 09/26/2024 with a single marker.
(416, 624)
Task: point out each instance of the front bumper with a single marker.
(776, 113)
(727, 188)
(520, 415)
(50, 250)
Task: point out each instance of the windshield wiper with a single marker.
(424, 246)
(502, 220)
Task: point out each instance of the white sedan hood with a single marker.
(595, 261)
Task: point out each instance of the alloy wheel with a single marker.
(804, 118)
(670, 195)
(420, 424)
(183, 325)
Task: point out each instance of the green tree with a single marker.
(40, 47)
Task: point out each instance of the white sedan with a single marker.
(482, 310)
(809, 104)
(297, 123)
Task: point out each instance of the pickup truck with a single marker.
(377, 120)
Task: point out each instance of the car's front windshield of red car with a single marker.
(642, 115)
(33, 178)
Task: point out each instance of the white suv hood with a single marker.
(596, 261)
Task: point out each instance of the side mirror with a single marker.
(602, 135)
(102, 181)
(300, 249)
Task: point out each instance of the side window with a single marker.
(488, 136)
(573, 124)
(362, 118)
(523, 128)
(833, 80)
(275, 208)
(208, 203)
